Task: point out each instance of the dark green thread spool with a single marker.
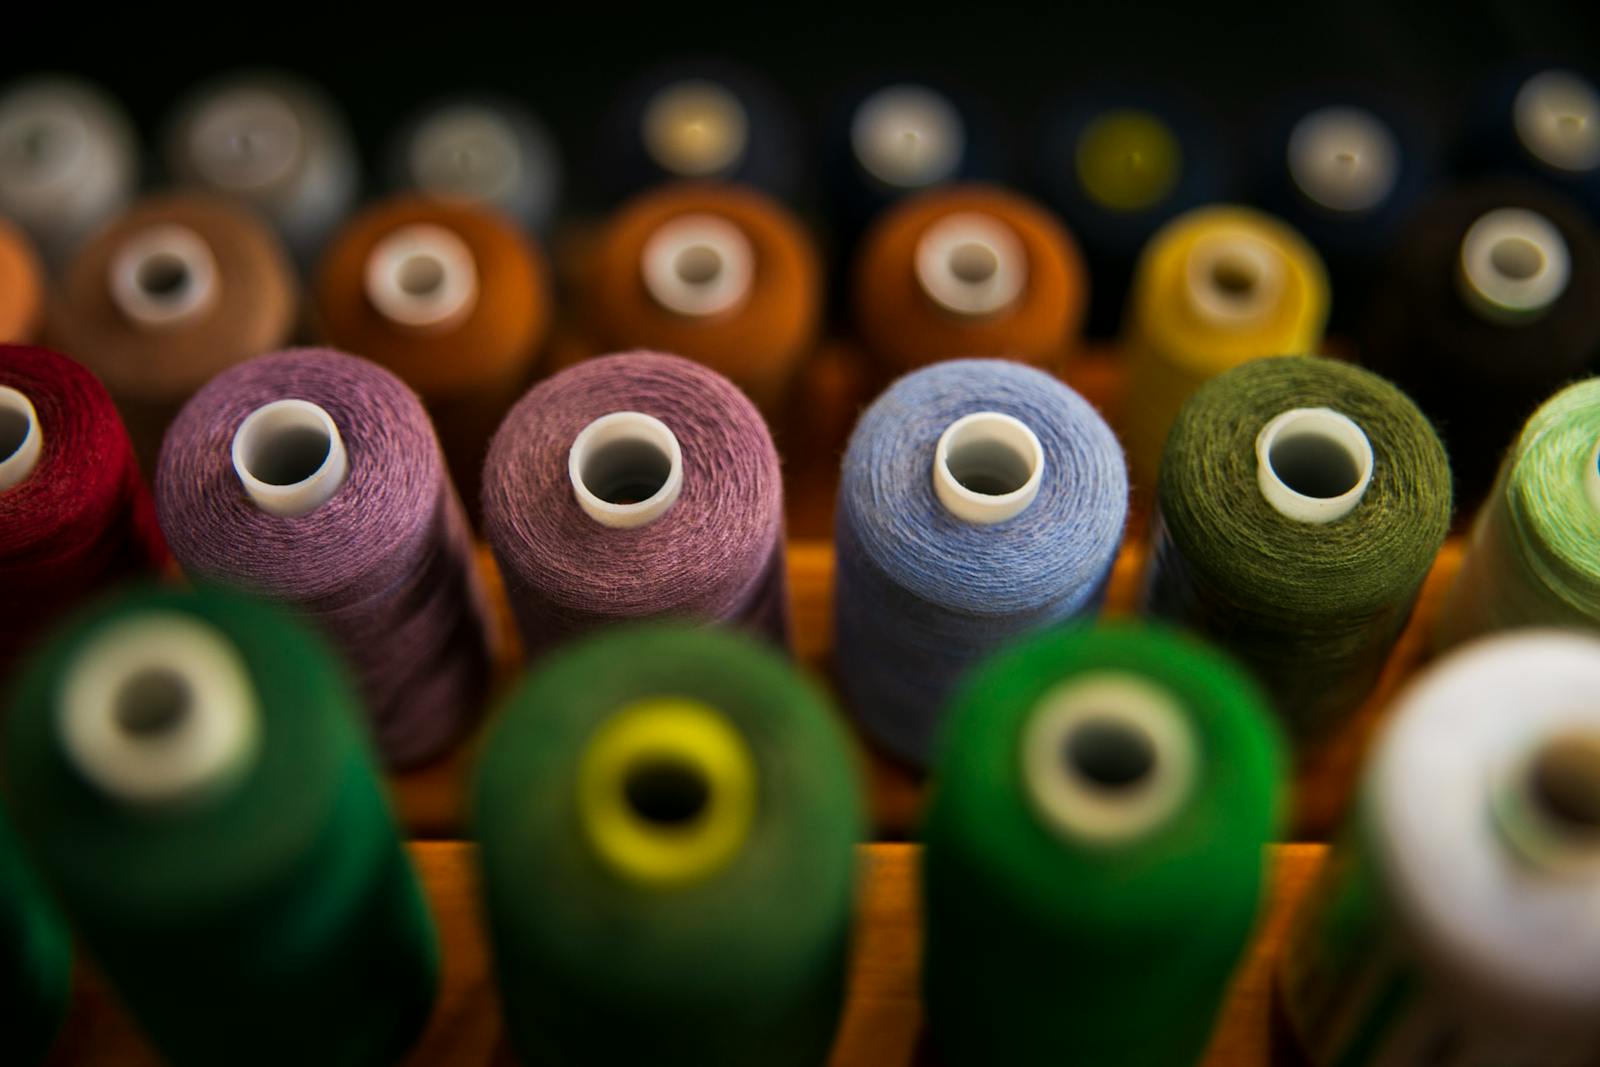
(187, 771)
(35, 960)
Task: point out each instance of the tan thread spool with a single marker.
(21, 286)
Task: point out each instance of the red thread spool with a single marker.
(75, 514)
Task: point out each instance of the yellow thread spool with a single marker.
(1216, 287)
(667, 791)
(1128, 160)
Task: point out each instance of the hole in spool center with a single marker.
(1314, 465)
(1516, 258)
(1109, 753)
(987, 466)
(974, 263)
(163, 276)
(288, 455)
(1564, 782)
(13, 431)
(698, 265)
(666, 791)
(420, 274)
(628, 471)
(1235, 277)
(153, 703)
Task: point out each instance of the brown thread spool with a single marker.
(175, 290)
(21, 286)
(971, 270)
(719, 274)
(453, 299)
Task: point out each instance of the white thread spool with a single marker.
(698, 265)
(1108, 757)
(247, 140)
(158, 710)
(422, 277)
(1514, 265)
(1233, 279)
(1557, 119)
(908, 136)
(1344, 158)
(987, 467)
(466, 153)
(21, 439)
(695, 128)
(289, 457)
(626, 469)
(1313, 464)
(164, 276)
(971, 264)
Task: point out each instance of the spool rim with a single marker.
(1556, 115)
(422, 277)
(1345, 159)
(995, 430)
(1330, 428)
(465, 153)
(246, 140)
(908, 136)
(285, 424)
(664, 264)
(1256, 267)
(23, 458)
(165, 250)
(208, 731)
(999, 256)
(1516, 238)
(695, 128)
(627, 429)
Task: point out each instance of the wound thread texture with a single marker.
(384, 568)
(920, 595)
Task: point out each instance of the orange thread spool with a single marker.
(21, 286)
(969, 270)
(719, 274)
(450, 297)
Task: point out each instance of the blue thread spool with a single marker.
(1539, 122)
(980, 500)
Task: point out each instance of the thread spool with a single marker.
(36, 966)
(488, 152)
(1302, 501)
(1539, 123)
(1104, 797)
(1454, 918)
(699, 121)
(187, 771)
(968, 270)
(314, 479)
(274, 142)
(75, 515)
(636, 486)
(1484, 312)
(1532, 558)
(21, 287)
(718, 274)
(638, 838)
(950, 482)
(68, 161)
(174, 291)
(1216, 287)
(451, 298)
(1117, 162)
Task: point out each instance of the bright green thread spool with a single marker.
(35, 961)
(1063, 933)
(1535, 554)
(1311, 603)
(244, 889)
(609, 951)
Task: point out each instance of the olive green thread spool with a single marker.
(1301, 503)
(1094, 850)
(667, 819)
(187, 771)
(35, 960)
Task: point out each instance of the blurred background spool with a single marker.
(1216, 287)
(1117, 162)
(718, 274)
(69, 160)
(968, 271)
(274, 142)
(1455, 921)
(187, 770)
(1534, 558)
(487, 151)
(1302, 501)
(1094, 850)
(450, 297)
(172, 292)
(314, 478)
(1541, 123)
(21, 286)
(699, 120)
(75, 515)
(636, 486)
(667, 821)
(979, 500)
(1486, 308)
(35, 958)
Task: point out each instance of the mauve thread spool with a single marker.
(75, 515)
(453, 299)
(636, 486)
(1487, 306)
(314, 478)
(274, 142)
(719, 274)
(970, 270)
(175, 290)
(1541, 123)
(69, 160)
(21, 286)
